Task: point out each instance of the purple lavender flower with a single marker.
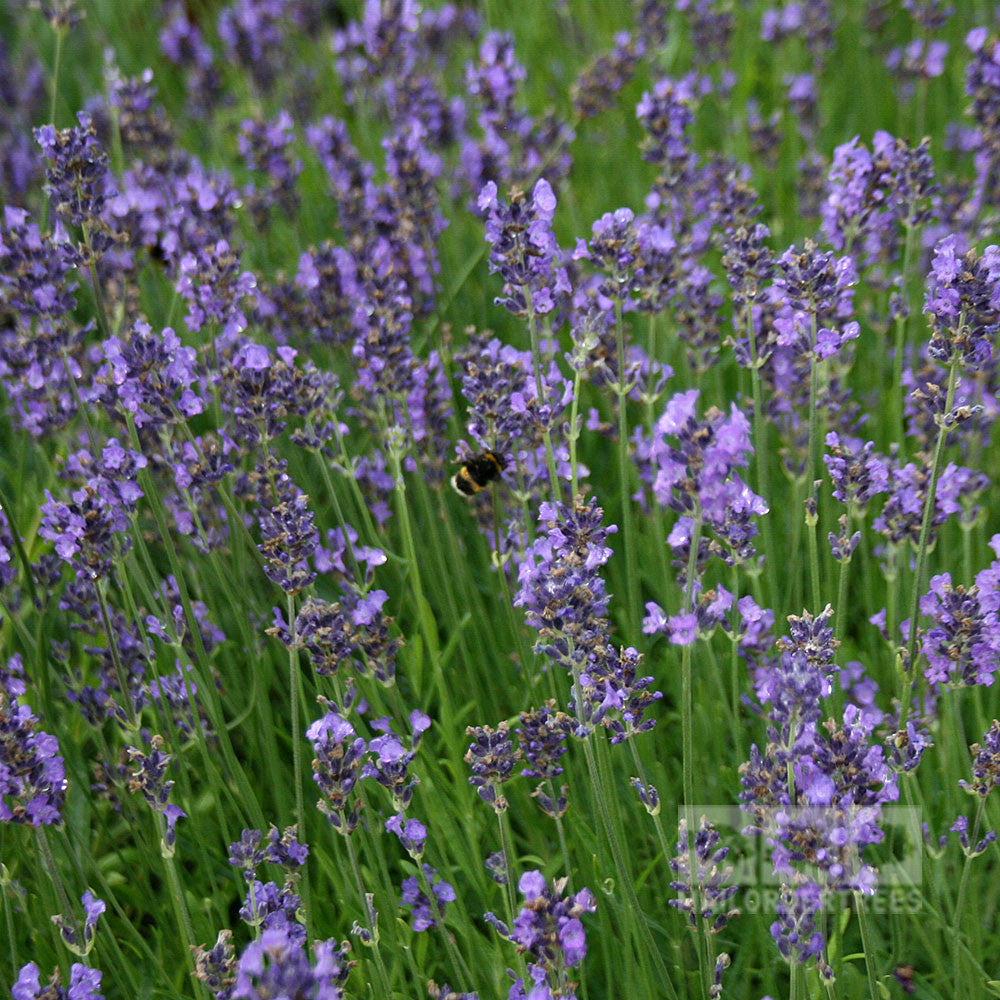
(962, 644)
(542, 739)
(32, 774)
(288, 538)
(697, 478)
(901, 518)
(328, 278)
(921, 59)
(514, 146)
(93, 909)
(149, 780)
(412, 834)
(665, 115)
(445, 992)
(352, 630)
(142, 123)
(566, 600)
(84, 984)
(78, 179)
(337, 768)
(748, 261)
(523, 250)
(152, 376)
(88, 532)
(268, 905)
(491, 757)
(794, 931)
(906, 747)
(985, 763)
(424, 915)
(857, 471)
(253, 33)
(211, 282)
(963, 302)
(597, 85)
(40, 352)
(870, 194)
(216, 966)
(711, 877)
(184, 45)
(549, 931)
(277, 965)
(390, 763)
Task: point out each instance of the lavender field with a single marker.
(499, 501)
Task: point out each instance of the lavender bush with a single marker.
(688, 690)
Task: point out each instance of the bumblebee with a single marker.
(477, 473)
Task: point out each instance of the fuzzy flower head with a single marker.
(962, 642)
(563, 592)
(665, 115)
(549, 931)
(78, 178)
(276, 965)
(337, 768)
(691, 464)
(492, 758)
(985, 763)
(523, 250)
(963, 302)
(795, 931)
(151, 376)
(423, 913)
(32, 774)
(84, 984)
(870, 194)
(711, 877)
(982, 84)
(149, 780)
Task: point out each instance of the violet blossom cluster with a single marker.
(963, 303)
(961, 642)
(268, 905)
(84, 984)
(696, 477)
(149, 780)
(32, 773)
(566, 600)
(277, 964)
(549, 931)
(523, 249)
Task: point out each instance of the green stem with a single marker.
(812, 464)
(960, 899)
(628, 529)
(424, 615)
(762, 456)
(49, 864)
(925, 531)
(841, 608)
(507, 863)
(637, 919)
(295, 693)
(181, 913)
(359, 885)
(120, 673)
(867, 944)
(102, 314)
(900, 342)
(536, 358)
